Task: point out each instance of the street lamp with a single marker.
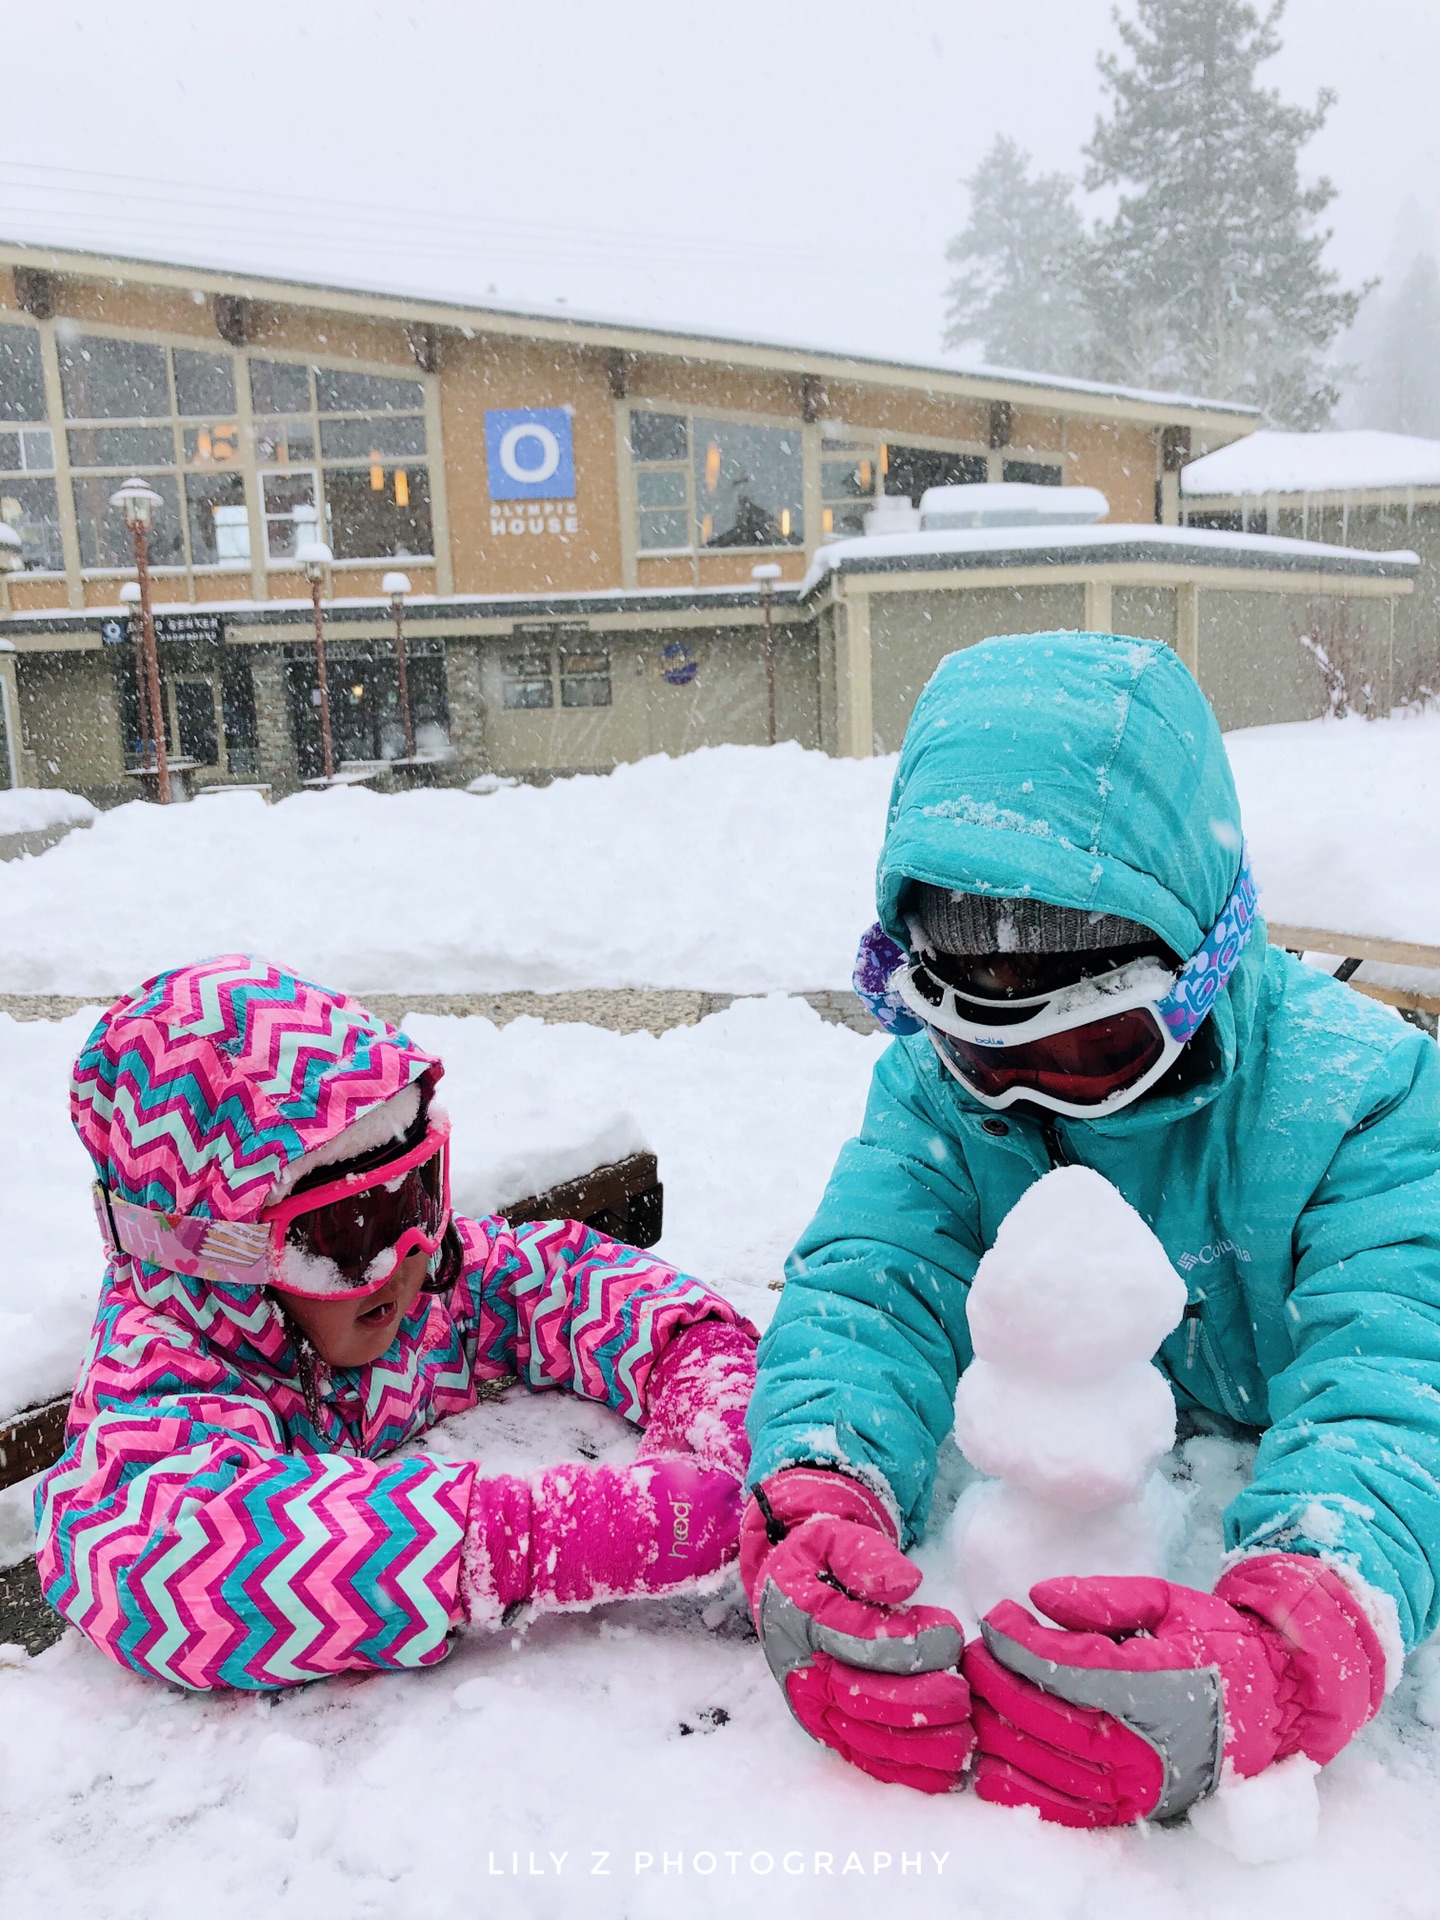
(397, 585)
(765, 578)
(138, 503)
(130, 600)
(314, 557)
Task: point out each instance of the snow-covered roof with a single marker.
(1314, 463)
(454, 305)
(1117, 542)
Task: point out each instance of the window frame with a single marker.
(315, 420)
(25, 472)
(177, 424)
(690, 412)
(258, 567)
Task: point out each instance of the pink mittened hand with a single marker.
(1128, 1707)
(697, 1395)
(861, 1671)
(581, 1534)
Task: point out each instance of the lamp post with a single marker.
(130, 600)
(397, 585)
(765, 578)
(314, 557)
(138, 503)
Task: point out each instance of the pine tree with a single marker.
(1401, 390)
(1210, 275)
(1017, 293)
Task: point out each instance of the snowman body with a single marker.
(1062, 1407)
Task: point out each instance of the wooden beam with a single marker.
(32, 1441)
(1354, 946)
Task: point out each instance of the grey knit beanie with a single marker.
(970, 923)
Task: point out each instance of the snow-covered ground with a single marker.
(735, 869)
(740, 869)
(1343, 819)
(638, 1760)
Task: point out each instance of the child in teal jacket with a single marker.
(1064, 805)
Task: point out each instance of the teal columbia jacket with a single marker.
(1293, 1177)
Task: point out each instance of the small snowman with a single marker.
(1061, 1405)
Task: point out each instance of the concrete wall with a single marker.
(1146, 613)
(1383, 529)
(911, 633)
(1255, 670)
(70, 721)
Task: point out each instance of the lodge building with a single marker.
(578, 507)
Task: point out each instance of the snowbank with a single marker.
(1343, 819)
(746, 1111)
(740, 869)
(32, 809)
(735, 869)
(1314, 463)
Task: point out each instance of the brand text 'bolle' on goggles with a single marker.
(344, 1238)
(1085, 1049)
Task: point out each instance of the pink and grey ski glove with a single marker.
(1129, 1707)
(862, 1672)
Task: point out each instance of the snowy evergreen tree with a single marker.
(1017, 291)
(1210, 275)
(1400, 385)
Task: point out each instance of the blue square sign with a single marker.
(530, 452)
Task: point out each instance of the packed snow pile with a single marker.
(734, 869)
(746, 1112)
(33, 809)
(1343, 821)
(739, 869)
(1061, 1406)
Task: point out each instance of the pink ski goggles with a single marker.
(343, 1239)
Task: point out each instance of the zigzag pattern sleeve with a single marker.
(180, 1537)
(563, 1306)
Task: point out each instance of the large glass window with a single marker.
(373, 480)
(911, 471)
(715, 483)
(748, 485)
(28, 502)
(168, 415)
(22, 385)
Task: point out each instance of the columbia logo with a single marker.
(1207, 1256)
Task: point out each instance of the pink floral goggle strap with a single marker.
(345, 1238)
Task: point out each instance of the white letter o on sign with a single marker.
(510, 443)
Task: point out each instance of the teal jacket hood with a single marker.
(1080, 769)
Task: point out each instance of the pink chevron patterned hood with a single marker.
(195, 1092)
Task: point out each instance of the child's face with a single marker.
(352, 1333)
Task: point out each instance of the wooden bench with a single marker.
(624, 1200)
(1355, 949)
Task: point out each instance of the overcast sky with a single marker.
(784, 168)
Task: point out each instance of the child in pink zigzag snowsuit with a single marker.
(288, 1300)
